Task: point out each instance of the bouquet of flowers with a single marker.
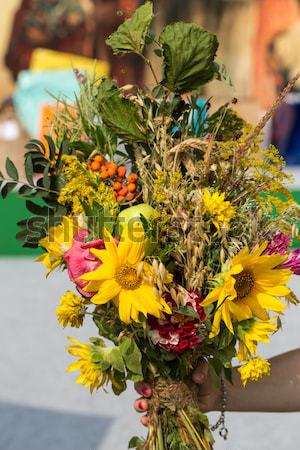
(174, 225)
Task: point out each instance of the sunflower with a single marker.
(90, 374)
(255, 331)
(71, 310)
(121, 278)
(249, 288)
(57, 243)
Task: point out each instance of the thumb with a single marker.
(201, 373)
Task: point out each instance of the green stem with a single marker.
(38, 188)
(149, 64)
(160, 440)
(191, 430)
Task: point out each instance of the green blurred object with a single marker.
(12, 210)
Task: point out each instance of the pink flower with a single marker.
(293, 262)
(79, 260)
(178, 332)
(279, 244)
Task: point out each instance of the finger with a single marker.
(201, 373)
(143, 389)
(141, 405)
(144, 421)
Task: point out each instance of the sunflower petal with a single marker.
(125, 306)
(108, 290)
(226, 318)
(269, 302)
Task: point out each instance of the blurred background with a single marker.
(41, 42)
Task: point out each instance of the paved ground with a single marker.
(41, 408)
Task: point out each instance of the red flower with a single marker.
(178, 332)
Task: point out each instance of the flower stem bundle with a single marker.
(174, 224)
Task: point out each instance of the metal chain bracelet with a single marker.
(220, 425)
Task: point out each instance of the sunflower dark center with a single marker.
(127, 277)
(244, 282)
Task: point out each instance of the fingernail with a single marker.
(146, 391)
(141, 405)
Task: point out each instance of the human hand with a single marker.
(209, 397)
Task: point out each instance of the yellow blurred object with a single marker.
(45, 59)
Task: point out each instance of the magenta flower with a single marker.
(293, 262)
(79, 260)
(279, 244)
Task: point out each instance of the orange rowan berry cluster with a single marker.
(126, 188)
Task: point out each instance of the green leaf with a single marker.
(108, 357)
(46, 177)
(225, 339)
(120, 114)
(22, 235)
(36, 145)
(52, 148)
(29, 169)
(136, 442)
(7, 188)
(131, 35)
(26, 191)
(226, 123)
(131, 355)
(109, 330)
(189, 53)
(118, 382)
(186, 311)
(37, 209)
(222, 74)
(134, 377)
(11, 170)
(243, 327)
(1, 176)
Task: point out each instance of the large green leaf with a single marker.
(120, 114)
(108, 357)
(131, 35)
(131, 355)
(189, 52)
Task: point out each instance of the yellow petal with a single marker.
(240, 310)
(216, 324)
(104, 256)
(108, 290)
(256, 308)
(137, 252)
(110, 244)
(237, 268)
(226, 318)
(124, 306)
(92, 286)
(146, 301)
(269, 302)
(259, 250)
(212, 297)
(278, 291)
(104, 272)
(131, 247)
(124, 246)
